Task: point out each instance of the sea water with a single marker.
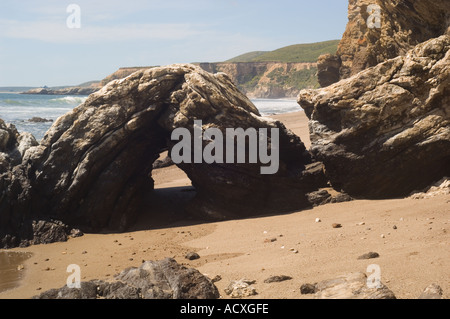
(18, 109)
(11, 269)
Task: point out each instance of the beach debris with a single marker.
(192, 256)
(270, 240)
(336, 225)
(277, 279)
(84, 252)
(20, 267)
(295, 251)
(369, 255)
(394, 227)
(318, 220)
(361, 224)
(383, 236)
(433, 291)
(241, 288)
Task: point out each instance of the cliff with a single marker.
(381, 30)
(268, 79)
(281, 73)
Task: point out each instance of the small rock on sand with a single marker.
(192, 256)
(369, 255)
(277, 279)
(307, 289)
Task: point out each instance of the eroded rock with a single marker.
(351, 286)
(385, 131)
(379, 30)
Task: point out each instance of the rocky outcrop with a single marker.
(381, 30)
(122, 73)
(164, 279)
(93, 168)
(13, 145)
(385, 132)
(66, 91)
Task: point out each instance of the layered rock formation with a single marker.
(93, 167)
(381, 30)
(385, 132)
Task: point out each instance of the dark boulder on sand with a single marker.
(163, 279)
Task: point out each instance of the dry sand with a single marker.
(412, 256)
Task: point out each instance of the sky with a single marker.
(58, 42)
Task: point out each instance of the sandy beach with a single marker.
(410, 235)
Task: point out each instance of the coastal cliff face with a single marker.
(268, 79)
(381, 30)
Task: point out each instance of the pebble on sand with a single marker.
(369, 255)
(192, 256)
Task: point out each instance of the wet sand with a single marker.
(412, 256)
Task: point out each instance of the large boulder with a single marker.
(163, 279)
(352, 286)
(93, 167)
(379, 30)
(385, 132)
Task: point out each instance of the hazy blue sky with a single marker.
(38, 48)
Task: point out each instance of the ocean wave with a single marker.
(10, 102)
(72, 100)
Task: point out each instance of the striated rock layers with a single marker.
(93, 167)
(381, 30)
(385, 132)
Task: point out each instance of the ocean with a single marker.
(19, 108)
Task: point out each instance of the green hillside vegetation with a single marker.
(299, 79)
(308, 52)
(247, 57)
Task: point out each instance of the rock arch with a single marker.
(93, 167)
